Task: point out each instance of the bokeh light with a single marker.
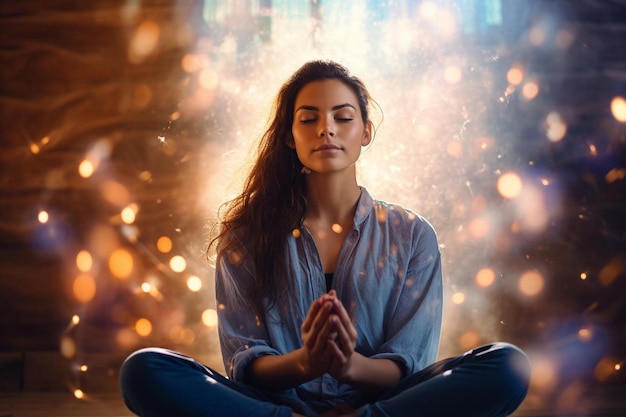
(485, 277)
(84, 288)
(194, 283)
(178, 263)
(143, 327)
(121, 263)
(209, 317)
(618, 108)
(164, 244)
(84, 261)
(531, 283)
(43, 217)
(509, 185)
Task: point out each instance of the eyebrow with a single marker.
(313, 108)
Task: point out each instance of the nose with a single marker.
(326, 127)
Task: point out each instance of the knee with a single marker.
(514, 365)
(139, 367)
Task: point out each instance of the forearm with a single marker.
(278, 372)
(372, 375)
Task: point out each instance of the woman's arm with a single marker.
(372, 375)
(313, 359)
(351, 367)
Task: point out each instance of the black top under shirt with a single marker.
(329, 281)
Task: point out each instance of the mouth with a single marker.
(327, 147)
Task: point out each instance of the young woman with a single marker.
(329, 301)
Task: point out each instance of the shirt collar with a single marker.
(363, 208)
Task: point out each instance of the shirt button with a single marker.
(329, 386)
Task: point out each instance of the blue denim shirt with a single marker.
(388, 276)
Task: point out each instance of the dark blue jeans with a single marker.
(491, 380)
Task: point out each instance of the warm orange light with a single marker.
(79, 394)
(618, 108)
(531, 283)
(86, 168)
(585, 334)
(458, 298)
(604, 369)
(84, 261)
(43, 217)
(178, 263)
(194, 283)
(454, 148)
(144, 42)
(336, 227)
(209, 317)
(515, 75)
(530, 90)
(143, 327)
(544, 377)
(67, 347)
(190, 63)
(615, 174)
(479, 227)
(84, 288)
(128, 215)
(509, 185)
(121, 263)
(485, 277)
(469, 340)
(115, 193)
(164, 244)
(557, 128)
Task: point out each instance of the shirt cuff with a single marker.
(401, 360)
(243, 358)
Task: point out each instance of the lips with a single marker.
(327, 147)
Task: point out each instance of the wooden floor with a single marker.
(607, 402)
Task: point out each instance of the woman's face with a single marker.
(328, 129)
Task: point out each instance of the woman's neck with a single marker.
(331, 198)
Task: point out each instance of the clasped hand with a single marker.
(328, 338)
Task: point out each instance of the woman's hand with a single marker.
(328, 338)
(318, 328)
(344, 341)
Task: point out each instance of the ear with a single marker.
(367, 134)
(290, 142)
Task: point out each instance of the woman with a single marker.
(329, 302)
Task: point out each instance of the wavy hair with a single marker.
(273, 203)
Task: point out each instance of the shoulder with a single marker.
(396, 216)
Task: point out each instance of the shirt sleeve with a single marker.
(414, 329)
(243, 335)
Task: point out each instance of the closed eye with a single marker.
(344, 119)
(308, 121)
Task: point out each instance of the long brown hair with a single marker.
(273, 202)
